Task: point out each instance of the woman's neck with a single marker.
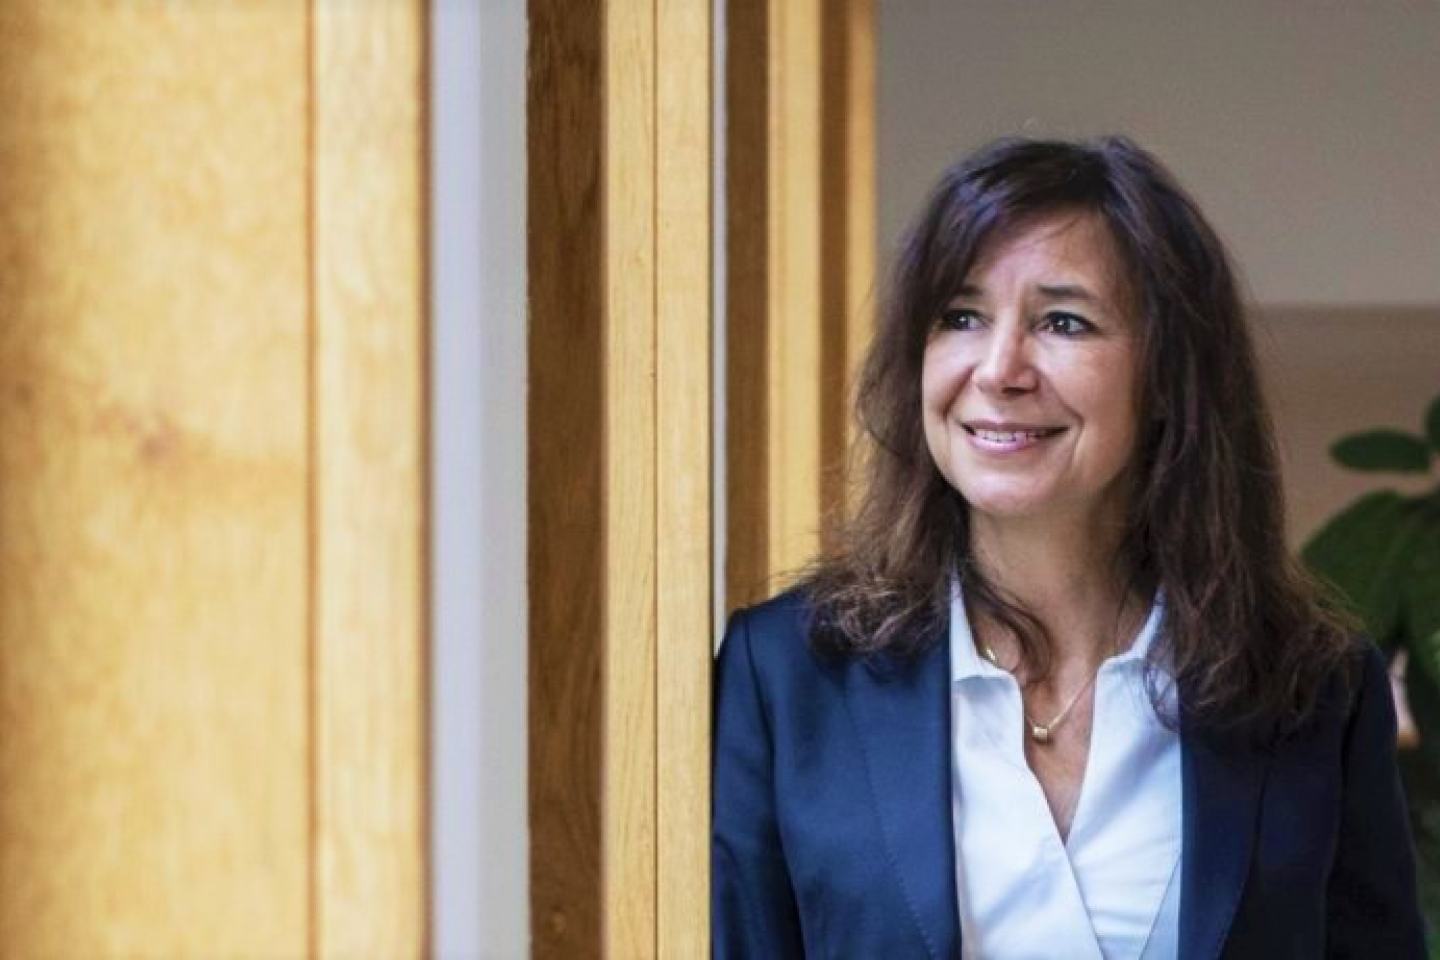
(1066, 574)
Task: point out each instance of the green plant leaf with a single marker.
(1432, 423)
(1420, 593)
(1391, 451)
(1363, 552)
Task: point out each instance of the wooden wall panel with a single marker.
(774, 372)
(211, 479)
(683, 541)
(619, 160)
(859, 55)
(800, 235)
(848, 237)
(747, 297)
(564, 461)
(627, 507)
(153, 473)
(793, 333)
(369, 449)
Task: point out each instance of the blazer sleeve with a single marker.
(752, 912)
(1372, 906)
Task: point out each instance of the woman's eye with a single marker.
(958, 319)
(1066, 324)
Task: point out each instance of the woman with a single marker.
(1059, 691)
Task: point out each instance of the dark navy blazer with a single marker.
(832, 815)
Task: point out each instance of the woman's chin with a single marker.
(1009, 506)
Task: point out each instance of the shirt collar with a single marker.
(966, 661)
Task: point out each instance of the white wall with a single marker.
(479, 829)
(1309, 131)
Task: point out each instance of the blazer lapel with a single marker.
(1223, 783)
(902, 714)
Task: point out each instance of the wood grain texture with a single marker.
(682, 409)
(619, 157)
(212, 451)
(564, 448)
(800, 235)
(747, 267)
(628, 508)
(369, 485)
(847, 239)
(152, 480)
(793, 374)
(860, 191)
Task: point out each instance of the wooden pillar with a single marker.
(684, 156)
(368, 449)
(800, 239)
(849, 228)
(211, 473)
(619, 467)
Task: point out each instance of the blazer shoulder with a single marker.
(1368, 688)
(1358, 685)
(1361, 678)
(788, 613)
(774, 636)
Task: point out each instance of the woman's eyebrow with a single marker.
(1067, 291)
(1051, 291)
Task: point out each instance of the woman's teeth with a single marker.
(1010, 436)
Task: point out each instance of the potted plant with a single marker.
(1382, 556)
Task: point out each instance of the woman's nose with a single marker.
(1006, 366)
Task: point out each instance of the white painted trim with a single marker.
(479, 842)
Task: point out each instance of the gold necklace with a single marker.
(1040, 732)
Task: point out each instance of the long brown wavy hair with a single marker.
(1246, 635)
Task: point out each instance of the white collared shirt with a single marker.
(1112, 889)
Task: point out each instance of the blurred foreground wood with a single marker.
(212, 629)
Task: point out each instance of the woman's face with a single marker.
(1028, 387)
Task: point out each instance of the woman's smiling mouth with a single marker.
(1008, 438)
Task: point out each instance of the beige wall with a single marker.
(1308, 132)
(1336, 369)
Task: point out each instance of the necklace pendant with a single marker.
(1039, 733)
